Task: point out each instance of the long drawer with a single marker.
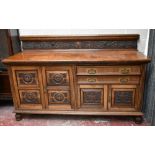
(108, 70)
(108, 79)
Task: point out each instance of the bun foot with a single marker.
(18, 117)
(138, 119)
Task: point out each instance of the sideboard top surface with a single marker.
(77, 56)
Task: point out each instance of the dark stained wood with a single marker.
(77, 56)
(126, 41)
(80, 37)
(5, 90)
(9, 45)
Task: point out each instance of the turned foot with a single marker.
(138, 119)
(18, 117)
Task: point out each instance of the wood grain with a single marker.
(77, 56)
(80, 37)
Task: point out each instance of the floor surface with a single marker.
(7, 118)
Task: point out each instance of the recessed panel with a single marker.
(57, 78)
(123, 97)
(92, 96)
(59, 97)
(27, 78)
(30, 97)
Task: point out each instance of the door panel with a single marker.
(28, 87)
(57, 78)
(58, 87)
(58, 97)
(27, 78)
(123, 97)
(92, 97)
(30, 99)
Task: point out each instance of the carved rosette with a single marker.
(59, 97)
(30, 97)
(55, 79)
(92, 97)
(123, 97)
(26, 78)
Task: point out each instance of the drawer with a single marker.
(108, 70)
(108, 79)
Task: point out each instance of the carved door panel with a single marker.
(30, 99)
(92, 97)
(58, 87)
(28, 87)
(123, 98)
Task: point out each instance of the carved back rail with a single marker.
(80, 42)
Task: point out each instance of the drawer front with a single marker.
(108, 70)
(108, 79)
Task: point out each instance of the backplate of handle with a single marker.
(92, 71)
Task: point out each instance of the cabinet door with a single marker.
(28, 86)
(58, 87)
(123, 98)
(92, 97)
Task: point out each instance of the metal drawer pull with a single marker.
(92, 71)
(92, 80)
(124, 80)
(125, 70)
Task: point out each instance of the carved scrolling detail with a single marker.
(57, 79)
(78, 44)
(30, 97)
(92, 96)
(27, 78)
(123, 97)
(59, 97)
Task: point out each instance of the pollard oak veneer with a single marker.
(77, 81)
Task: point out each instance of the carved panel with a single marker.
(123, 97)
(62, 97)
(92, 96)
(29, 96)
(27, 77)
(79, 44)
(57, 78)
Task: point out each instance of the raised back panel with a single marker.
(80, 42)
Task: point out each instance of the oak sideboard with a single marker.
(78, 82)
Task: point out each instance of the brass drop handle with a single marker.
(124, 80)
(91, 71)
(125, 71)
(92, 80)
